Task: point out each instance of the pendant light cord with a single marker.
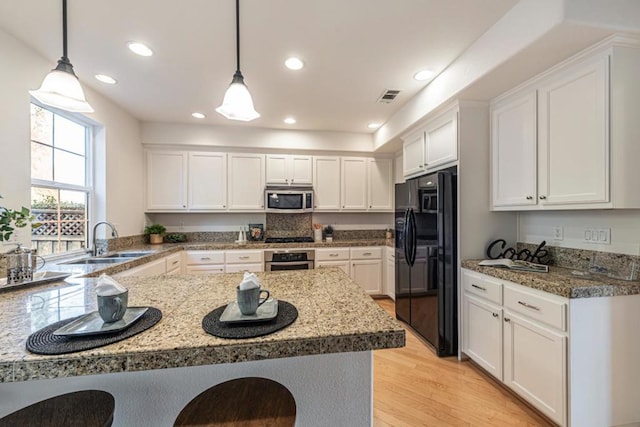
(64, 29)
(237, 35)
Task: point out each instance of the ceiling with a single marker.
(353, 51)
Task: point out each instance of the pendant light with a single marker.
(61, 87)
(237, 103)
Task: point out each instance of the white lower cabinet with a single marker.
(173, 263)
(333, 257)
(244, 260)
(521, 341)
(204, 262)
(366, 268)
(153, 268)
(344, 265)
(390, 273)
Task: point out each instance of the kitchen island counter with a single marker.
(324, 357)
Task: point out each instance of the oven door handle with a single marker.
(268, 264)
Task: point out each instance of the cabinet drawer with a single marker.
(205, 269)
(484, 286)
(244, 257)
(545, 308)
(332, 254)
(238, 268)
(366, 253)
(204, 257)
(174, 261)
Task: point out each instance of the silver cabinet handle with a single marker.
(543, 197)
(334, 255)
(479, 287)
(506, 319)
(533, 307)
(205, 258)
(529, 197)
(367, 254)
(175, 262)
(495, 314)
(244, 257)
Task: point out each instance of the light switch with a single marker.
(587, 235)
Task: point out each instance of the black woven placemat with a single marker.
(287, 314)
(44, 342)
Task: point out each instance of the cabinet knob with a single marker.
(495, 314)
(224, 206)
(184, 206)
(370, 206)
(529, 197)
(292, 180)
(543, 197)
(286, 180)
(506, 319)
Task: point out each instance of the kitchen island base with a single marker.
(329, 389)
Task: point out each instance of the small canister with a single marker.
(19, 267)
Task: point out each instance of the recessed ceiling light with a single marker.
(294, 63)
(106, 79)
(373, 125)
(198, 115)
(140, 48)
(290, 121)
(423, 75)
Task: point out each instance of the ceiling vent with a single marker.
(388, 96)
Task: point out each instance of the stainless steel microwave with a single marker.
(289, 200)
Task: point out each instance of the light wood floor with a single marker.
(413, 387)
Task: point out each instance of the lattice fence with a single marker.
(72, 222)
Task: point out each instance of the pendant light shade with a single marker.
(237, 103)
(61, 87)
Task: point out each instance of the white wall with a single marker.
(255, 138)
(534, 227)
(118, 145)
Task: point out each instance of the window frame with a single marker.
(88, 167)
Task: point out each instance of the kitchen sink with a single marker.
(105, 260)
(129, 254)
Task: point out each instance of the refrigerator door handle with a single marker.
(413, 249)
(405, 235)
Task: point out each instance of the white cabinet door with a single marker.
(208, 181)
(300, 170)
(287, 169)
(368, 274)
(326, 183)
(277, 169)
(573, 135)
(380, 187)
(413, 154)
(441, 140)
(390, 274)
(354, 183)
(166, 180)
(482, 333)
(344, 265)
(513, 151)
(246, 182)
(535, 365)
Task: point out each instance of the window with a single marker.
(60, 193)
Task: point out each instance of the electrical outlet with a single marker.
(558, 233)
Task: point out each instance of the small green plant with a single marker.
(155, 229)
(328, 230)
(11, 219)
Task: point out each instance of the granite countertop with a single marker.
(560, 281)
(335, 315)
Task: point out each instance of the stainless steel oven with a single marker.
(289, 259)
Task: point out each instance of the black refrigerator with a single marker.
(426, 258)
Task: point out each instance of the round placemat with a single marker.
(44, 342)
(287, 314)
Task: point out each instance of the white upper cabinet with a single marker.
(433, 146)
(207, 181)
(166, 180)
(573, 135)
(354, 183)
(567, 139)
(285, 169)
(246, 181)
(380, 185)
(514, 166)
(326, 183)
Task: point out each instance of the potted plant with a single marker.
(11, 219)
(328, 233)
(155, 232)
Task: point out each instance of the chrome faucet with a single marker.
(114, 233)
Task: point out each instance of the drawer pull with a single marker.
(506, 319)
(175, 262)
(244, 257)
(495, 314)
(479, 287)
(367, 254)
(533, 307)
(333, 255)
(206, 258)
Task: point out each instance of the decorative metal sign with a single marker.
(524, 254)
